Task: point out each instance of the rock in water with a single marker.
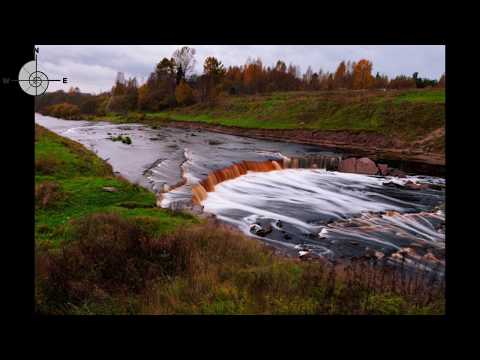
(366, 166)
(261, 230)
(414, 186)
(383, 169)
(348, 165)
(397, 173)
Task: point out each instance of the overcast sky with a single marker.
(93, 68)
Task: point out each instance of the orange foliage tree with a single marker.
(184, 93)
(362, 75)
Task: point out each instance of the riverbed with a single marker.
(314, 211)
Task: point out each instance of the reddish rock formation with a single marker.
(348, 165)
(366, 166)
(383, 169)
(360, 166)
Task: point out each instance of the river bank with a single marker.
(186, 167)
(102, 247)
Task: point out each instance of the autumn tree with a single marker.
(362, 75)
(184, 93)
(253, 76)
(441, 81)
(210, 82)
(339, 77)
(159, 90)
(214, 68)
(402, 82)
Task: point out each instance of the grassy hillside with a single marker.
(69, 182)
(406, 114)
(101, 252)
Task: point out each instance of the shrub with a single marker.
(63, 110)
(47, 165)
(48, 194)
(111, 263)
(107, 254)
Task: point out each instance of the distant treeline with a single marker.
(173, 83)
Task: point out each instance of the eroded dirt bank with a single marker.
(406, 156)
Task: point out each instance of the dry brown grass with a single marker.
(48, 194)
(111, 265)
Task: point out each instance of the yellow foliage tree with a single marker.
(184, 93)
(362, 75)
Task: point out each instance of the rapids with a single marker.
(291, 189)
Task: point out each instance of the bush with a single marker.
(63, 110)
(106, 255)
(111, 263)
(47, 165)
(48, 194)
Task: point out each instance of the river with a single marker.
(306, 210)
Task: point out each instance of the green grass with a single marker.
(408, 115)
(81, 177)
(425, 96)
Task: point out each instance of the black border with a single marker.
(22, 170)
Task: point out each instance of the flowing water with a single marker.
(292, 191)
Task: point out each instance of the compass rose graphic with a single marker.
(31, 79)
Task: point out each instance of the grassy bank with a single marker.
(103, 248)
(405, 114)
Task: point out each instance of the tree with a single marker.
(184, 93)
(362, 75)
(307, 77)
(184, 60)
(214, 68)
(253, 76)
(339, 77)
(441, 81)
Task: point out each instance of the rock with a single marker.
(109, 189)
(323, 233)
(287, 237)
(354, 242)
(260, 230)
(413, 186)
(279, 223)
(348, 165)
(393, 184)
(383, 169)
(366, 166)
(397, 173)
(430, 257)
(360, 166)
(436, 186)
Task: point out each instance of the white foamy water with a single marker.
(332, 213)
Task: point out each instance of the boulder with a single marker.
(348, 165)
(366, 166)
(383, 169)
(109, 189)
(393, 184)
(260, 230)
(397, 173)
(413, 186)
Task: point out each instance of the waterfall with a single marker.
(200, 191)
